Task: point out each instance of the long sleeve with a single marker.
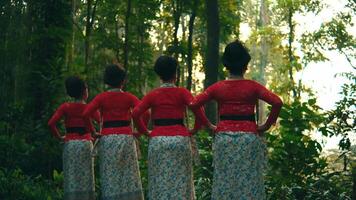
(96, 116)
(203, 98)
(138, 112)
(144, 119)
(52, 123)
(200, 117)
(92, 108)
(271, 99)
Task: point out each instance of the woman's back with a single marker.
(168, 102)
(115, 105)
(237, 101)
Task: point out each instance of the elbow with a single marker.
(193, 105)
(50, 124)
(135, 115)
(85, 114)
(278, 103)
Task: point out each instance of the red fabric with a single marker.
(72, 113)
(114, 105)
(168, 103)
(239, 97)
(75, 136)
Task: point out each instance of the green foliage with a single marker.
(333, 35)
(41, 42)
(294, 156)
(342, 120)
(15, 185)
(203, 173)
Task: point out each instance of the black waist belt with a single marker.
(80, 130)
(238, 117)
(116, 123)
(168, 122)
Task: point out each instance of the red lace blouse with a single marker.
(114, 106)
(239, 97)
(168, 103)
(73, 118)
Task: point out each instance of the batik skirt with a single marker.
(78, 170)
(119, 170)
(170, 171)
(239, 162)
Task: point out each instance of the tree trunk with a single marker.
(91, 9)
(87, 35)
(127, 22)
(117, 47)
(353, 173)
(190, 44)
(212, 55)
(176, 15)
(72, 42)
(239, 16)
(264, 21)
(290, 50)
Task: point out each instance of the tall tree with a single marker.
(212, 53)
(190, 43)
(262, 25)
(177, 6)
(91, 10)
(127, 23)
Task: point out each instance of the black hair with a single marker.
(166, 67)
(236, 58)
(75, 87)
(114, 75)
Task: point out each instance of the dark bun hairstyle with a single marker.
(166, 67)
(236, 58)
(114, 75)
(75, 87)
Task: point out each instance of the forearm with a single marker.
(55, 131)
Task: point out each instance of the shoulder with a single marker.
(215, 86)
(253, 82)
(183, 89)
(130, 95)
(154, 92)
(64, 106)
(101, 95)
(256, 84)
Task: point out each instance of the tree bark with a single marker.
(264, 21)
(212, 54)
(117, 47)
(190, 44)
(87, 35)
(91, 9)
(72, 42)
(126, 45)
(290, 50)
(177, 12)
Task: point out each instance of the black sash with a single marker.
(116, 123)
(238, 117)
(79, 130)
(168, 122)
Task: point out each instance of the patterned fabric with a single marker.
(170, 172)
(78, 170)
(239, 163)
(119, 171)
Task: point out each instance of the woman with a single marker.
(238, 149)
(170, 173)
(119, 170)
(77, 159)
